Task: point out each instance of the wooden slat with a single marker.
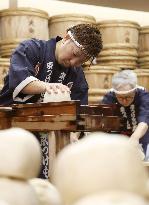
(45, 126)
(39, 109)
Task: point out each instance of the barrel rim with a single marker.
(143, 54)
(101, 68)
(109, 52)
(120, 45)
(99, 71)
(144, 29)
(24, 10)
(142, 72)
(118, 23)
(73, 16)
(112, 57)
(127, 64)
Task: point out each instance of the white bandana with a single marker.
(79, 45)
(76, 42)
(124, 92)
(128, 91)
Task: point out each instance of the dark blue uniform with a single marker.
(135, 113)
(35, 60)
(23, 70)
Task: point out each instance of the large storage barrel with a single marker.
(120, 43)
(99, 79)
(4, 67)
(144, 48)
(19, 24)
(58, 24)
(143, 77)
(96, 95)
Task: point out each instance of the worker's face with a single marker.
(125, 99)
(70, 55)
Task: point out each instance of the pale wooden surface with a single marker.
(52, 151)
(144, 48)
(57, 141)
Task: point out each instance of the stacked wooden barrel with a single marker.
(99, 79)
(17, 25)
(143, 57)
(120, 43)
(58, 24)
(120, 51)
(144, 48)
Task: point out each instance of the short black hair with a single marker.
(89, 36)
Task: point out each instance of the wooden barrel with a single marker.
(58, 24)
(99, 79)
(144, 48)
(96, 95)
(119, 34)
(19, 24)
(143, 40)
(120, 43)
(4, 67)
(143, 77)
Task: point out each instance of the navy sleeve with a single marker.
(79, 90)
(109, 98)
(143, 106)
(23, 61)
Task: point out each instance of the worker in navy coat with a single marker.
(38, 66)
(133, 103)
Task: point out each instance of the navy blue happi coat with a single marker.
(24, 69)
(35, 60)
(135, 113)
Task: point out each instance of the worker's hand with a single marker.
(134, 141)
(55, 87)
